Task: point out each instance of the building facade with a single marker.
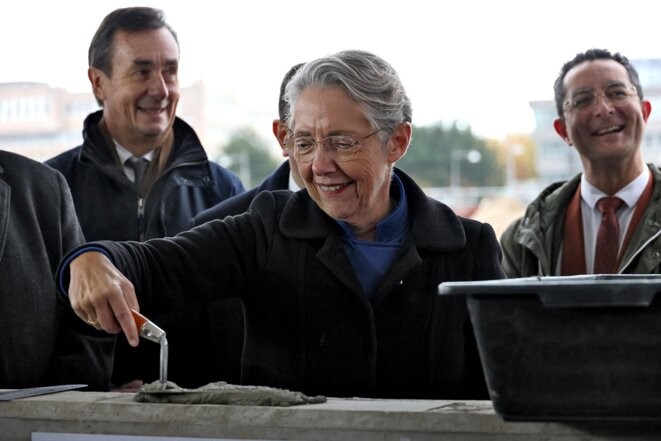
(40, 121)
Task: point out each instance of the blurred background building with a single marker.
(489, 180)
(40, 121)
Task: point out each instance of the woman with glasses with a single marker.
(339, 280)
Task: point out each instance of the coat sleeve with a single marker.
(489, 256)
(511, 249)
(82, 354)
(207, 263)
(487, 267)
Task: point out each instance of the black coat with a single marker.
(224, 330)
(278, 180)
(309, 326)
(41, 340)
(106, 200)
(107, 205)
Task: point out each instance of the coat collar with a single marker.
(186, 147)
(278, 180)
(434, 225)
(5, 199)
(540, 229)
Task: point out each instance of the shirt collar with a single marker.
(293, 186)
(125, 154)
(630, 193)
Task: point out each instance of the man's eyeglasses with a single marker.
(343, 147)
(615, 94)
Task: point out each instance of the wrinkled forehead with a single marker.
(328, 107)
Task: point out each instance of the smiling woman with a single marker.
(339, 281)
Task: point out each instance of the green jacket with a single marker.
(532, 244)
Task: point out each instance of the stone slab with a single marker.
(356, 419)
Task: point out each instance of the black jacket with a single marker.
(225, 316)
(107, 203)
(531, 245)
(109, 208)
(41, 341)
(278, 180)
(309, 325)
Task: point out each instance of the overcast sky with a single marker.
(475, 61)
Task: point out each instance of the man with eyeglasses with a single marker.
(602, 221)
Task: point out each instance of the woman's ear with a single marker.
(399, 142)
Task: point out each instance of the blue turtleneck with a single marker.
(371, 259)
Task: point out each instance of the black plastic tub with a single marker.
(577, 347)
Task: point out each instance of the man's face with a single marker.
(603, 118)
(140, 96)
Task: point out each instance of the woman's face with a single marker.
(352, 185)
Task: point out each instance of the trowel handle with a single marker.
(139, 319)
(146, 328)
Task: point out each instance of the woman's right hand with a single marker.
(101, 296)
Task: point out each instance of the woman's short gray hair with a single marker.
(368, 79)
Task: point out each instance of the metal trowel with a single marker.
(149, 331)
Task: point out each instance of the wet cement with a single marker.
(223, 393)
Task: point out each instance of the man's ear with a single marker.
(560, 127)
(98, 80)
(280, 131)
(646, 109)
(399, 142)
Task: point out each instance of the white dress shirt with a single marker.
(125, 154)
(630, 194)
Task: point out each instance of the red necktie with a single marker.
(608, 236)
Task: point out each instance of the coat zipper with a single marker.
(141, 219)
(142, 200)
(638, 251)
